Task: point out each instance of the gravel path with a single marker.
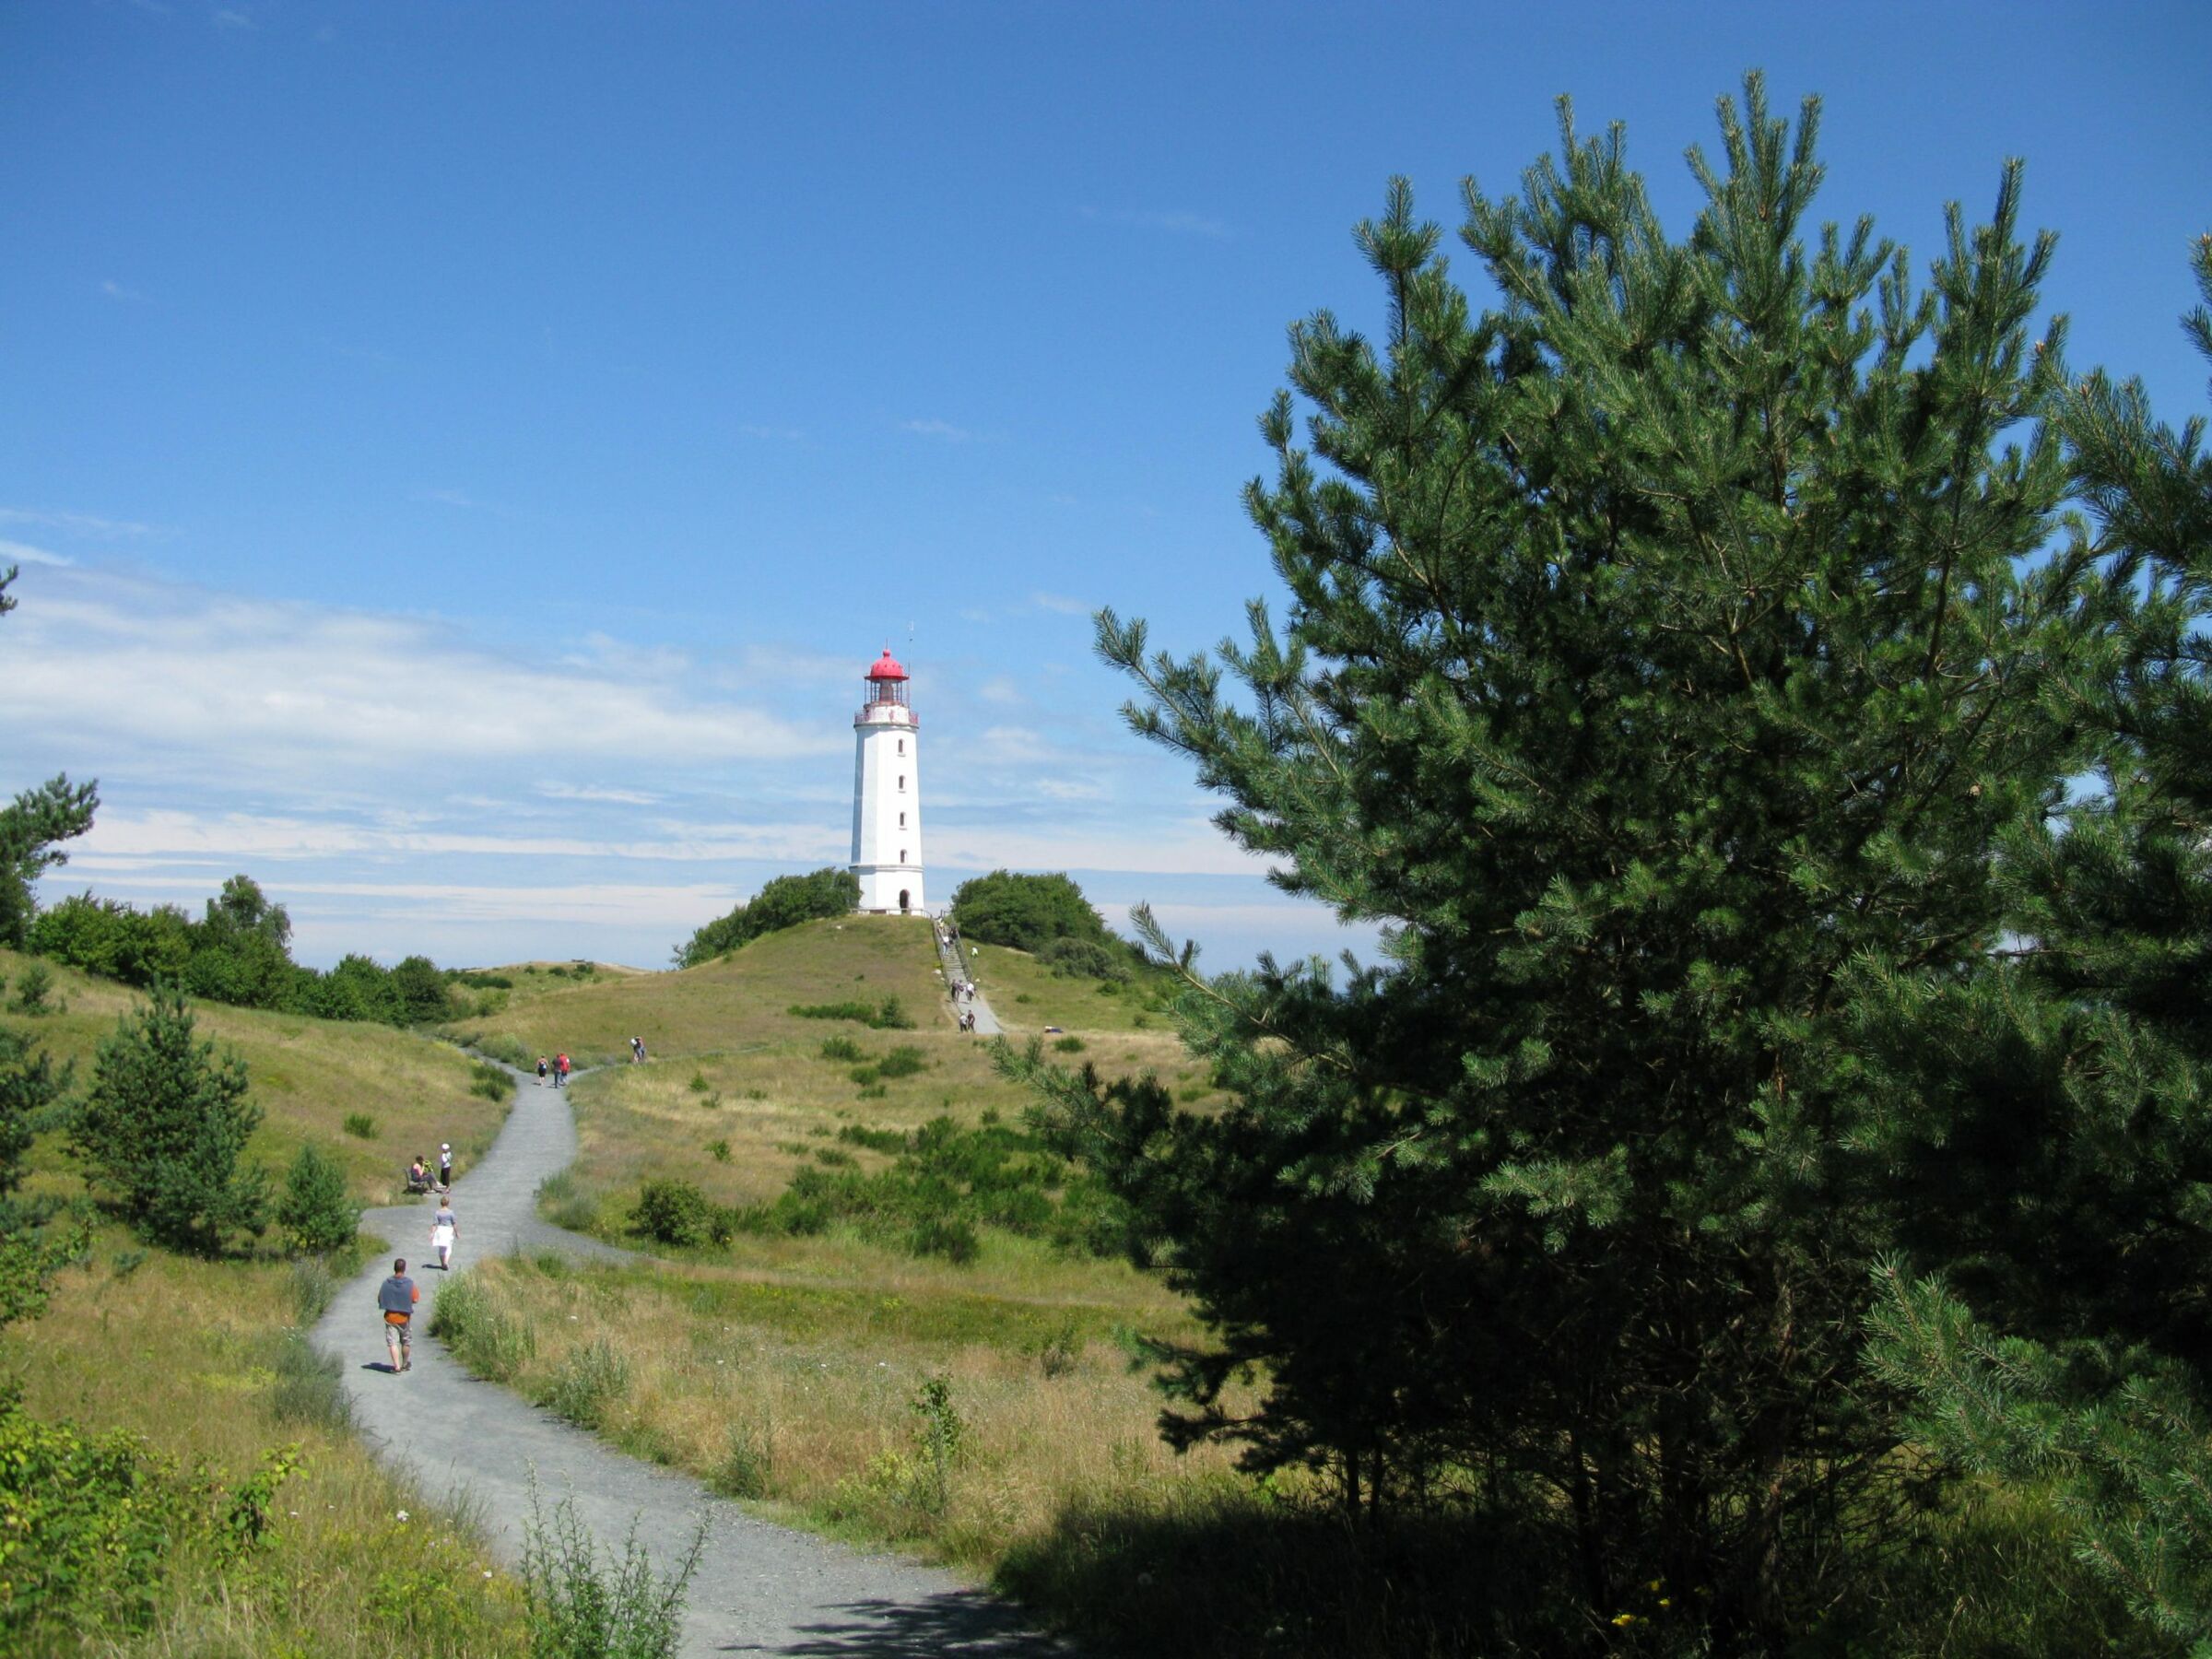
(760, 1588)
(957, 968)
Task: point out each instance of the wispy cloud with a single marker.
(230, 18)
(943, 429)
(16, 552)
(1000, 689)
(117, 291)
(1068, 789)
(1176, 224)
(448, 498)
(75, 523)
(1063, 603)
(240, 688)
(594, 791)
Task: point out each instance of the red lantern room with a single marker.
(885, 697)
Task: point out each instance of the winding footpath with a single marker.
(760, 1588)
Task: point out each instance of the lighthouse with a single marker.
(886, 793)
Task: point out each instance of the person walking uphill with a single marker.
(395, 1300)
(560, 1071)
(541, 1071)
(445, 1227)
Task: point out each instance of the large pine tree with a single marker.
(1664, 643)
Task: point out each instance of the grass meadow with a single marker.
(207, 1360)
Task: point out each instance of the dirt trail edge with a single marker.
(760, 1588)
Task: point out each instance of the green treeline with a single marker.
(1765, 696)
(240, 953)
(783, 902)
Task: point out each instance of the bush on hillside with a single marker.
(165, 1128)
(1026, 912)
(786, 902)
(678, 1213)
(1087, 958)
(240, 953)
(315, 1211)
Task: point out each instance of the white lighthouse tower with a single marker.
(887, 794)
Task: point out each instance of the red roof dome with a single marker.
(886, 669)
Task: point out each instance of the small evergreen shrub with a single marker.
(1069, 1045)
(315, 1212)
(360, 1126)
(32, 985)
(719, 1149)
(901, 1062)
(841, 1048)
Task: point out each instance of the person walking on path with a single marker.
(395, 1300)
(541, 1071)
(445, 1164)
(560, 1070)
(636, 1050)
(445, 1227)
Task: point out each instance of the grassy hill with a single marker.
(205, 1360)
(785, 1366)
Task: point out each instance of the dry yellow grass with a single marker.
(801, 1365)
(307, 1075)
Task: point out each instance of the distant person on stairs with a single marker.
(395, 1300)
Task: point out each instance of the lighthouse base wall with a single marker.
(889, 889)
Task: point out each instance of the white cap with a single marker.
(446, 1146)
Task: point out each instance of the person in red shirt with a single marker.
(560, 1070)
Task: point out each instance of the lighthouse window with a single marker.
(903, 856)
(902, 746)
(903, 779)
(902, 820)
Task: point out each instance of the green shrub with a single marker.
(699, 1083)
(1027, 913)
(360, 1126)
(859, 1013)
(719, 1149)
(940, 1437)
(490, 1082)
(901, 1062)
(784, 901)
(165, 1128)
(498, 1045)
(591, 1382)
(579, 1608)
(316, 1212)
(1069, 1045)
(673, 1212)
(90, 1523)
(31, 987)
(841, 1049)
(833, 1158)
(1072, 957)
(875, 1140)
(866, 1075)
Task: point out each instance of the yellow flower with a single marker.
(1624, 1618)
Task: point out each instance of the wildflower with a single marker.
(1624, 1619)
(403, 1514)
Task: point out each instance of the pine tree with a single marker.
(2062, 1103)
(165, 1127)
(316, 1211)
(1662, 643)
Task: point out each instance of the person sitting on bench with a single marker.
(418, 1176)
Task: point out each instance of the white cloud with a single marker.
(938, 428)
(115, 290)
(75, 523)
(1068, 789)
(247, 686)
(1179, 224)
(229, 17)
(449, 498)
(592, 792)
(1063, 603)
(1000, 689)
(16, 552)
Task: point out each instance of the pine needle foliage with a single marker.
(164, 1129)
(2051, 1120)
(1663, 642)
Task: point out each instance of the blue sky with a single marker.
(464, 456)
